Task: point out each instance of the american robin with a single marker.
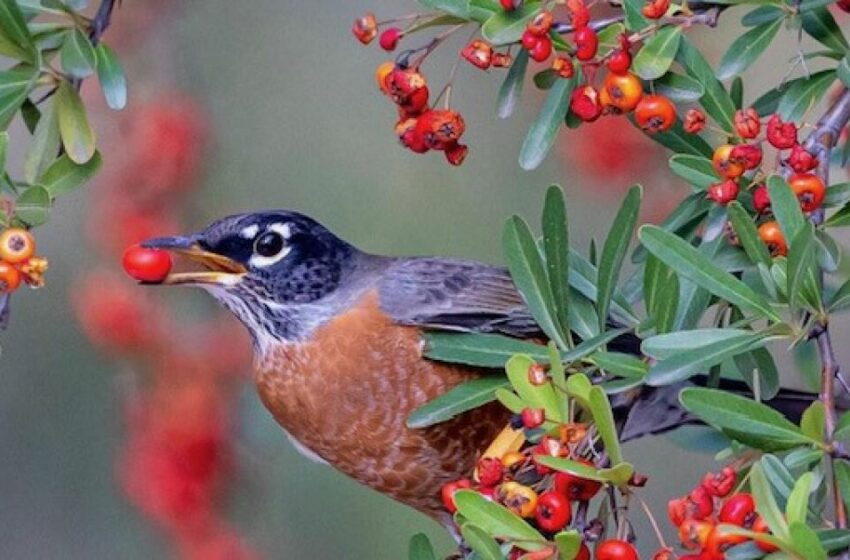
(338, 353)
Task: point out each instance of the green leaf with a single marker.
(758, 370)
(798, 501)
(785, 207)
(716, 101)
(484, 545)
(679, 255)
(505, 27)
(535, 396)
(15, 85)
(495, 519)
(420, 548)
(814, 421)
(696, 170)
(806, 541)
(743, 419)
(841, 298)
(480, 350)
(802, 95)
(33, 206)
(4, 151)
(736, 92)
(696, 360)
(74, 128)
(529, 275)
(580, 470)
(556, 247)
(510, 400)
(569, 544)
(680, 89)
(15, 39)
(762, 14)
(766, 503)
(679, 141)
(44, 146)
(820, 24)
(77, 55)
(437, 21)
(63, 175)
(843, 71)
(544, 129)
(746, 231)
(634, 17)
(460, 8)
(588, 346)
(624, 365)
(466, 396)
(834, 539)
(801, 260)
(114, 83)
(842, 477)
(614, 252)
(655, 57)
(747, 48)
(600, 408)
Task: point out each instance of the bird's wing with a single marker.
(454, 294)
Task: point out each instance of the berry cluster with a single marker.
(18, 262)
(709, 504)
(740, 163)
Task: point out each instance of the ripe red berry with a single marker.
(409, 90)
(809, 189)
(563, 67)
(456, 153)
(801, 160)
(677, 511)
(701, 504)
(584, 103)
(16, 245)
(693, 533)
(478, 53)
(529, 40)
(781, 135)
(761, 199)
(575, 487)
(447, 492)
(844, 5)
(583, 553)
(771, 235)
(587, 43)
(748, 155)
(146, 265)
(389, 38)
(615, 549)
(510, 5)
(739, 510)
(541, 50)
(747, 123)
(553, 511)
(694, 121)
(10, 278)
(579, 13)
(365, 28)
(541, 23)
(760, 526)
(620, 61)
(490, 471)
(721, 483)
(655, 9)
(718, 543)
(655, 113)
(621, 93)
(533, 417)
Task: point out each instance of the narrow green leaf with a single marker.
(529, 275)
(580, 470)
(480, 350)
(762, 14)
(437, 21)
(420, 548)
(842, 477)
(74, 128)
(556, 246)
(15, 39)
(746, 231)
(655, 57)
(77, 55)
(634, 18)
(801, 260)
(843, 72)
(33, 206)
(716, 101)
(510, 400)
(785, 207)
(806, 541)
(603, 417)
(766, 504)
(466, 396)
(743, 419)
(15, 85)
(63, 175)
(680, 89)
(800, 96)
(44, 146)
(747, 48)
(820, 24)
(834, 540)
(798, 501)
(114, 83)
(495, 519)
(736, 92)
(828, 250)
(841, 298)
(588, 346)
(813, 421)
(696, 170)
(623, 365)
(544, 129)
(535, 396)
(505, 27)
(679, 255)
(679, 141)
(614, 252)
(483, 544)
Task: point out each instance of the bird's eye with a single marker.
(269, 244)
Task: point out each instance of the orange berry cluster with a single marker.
(18, 262)
(733, 162)
(710, 503)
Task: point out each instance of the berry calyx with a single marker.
(553, 511)
(520, 499)
(563, 67)
(615, 549)
(771, 235)
(10, 278)
(655, 113)
(809, 189)
(16, 245)
(537, 375)
(447, 492)
(541, 23)
(146, 265)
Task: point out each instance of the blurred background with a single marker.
(110, 453)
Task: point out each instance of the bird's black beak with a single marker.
(220, 270)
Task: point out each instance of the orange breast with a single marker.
(347, 392)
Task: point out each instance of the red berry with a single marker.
(809, 189)
(584, 103)
(456, 153)
(541, 23)
(723, 193)
(575, 487)
(10, 278)
(365, 28)
(615, 549)
(655, 113)
(655, 9)
(146, 265)
(761, 199)
(771, 235)
(510, 5)
(759, 526)
(541, 50)
(701, 504)
(447, 493)
(781, 135)
(587, 43)
(533, 417)
(478, 53)
(583, 553)
(747, 123)
(720, 484)
(748, 155)
(553, 511)
(801, 160)
(490, 471)
(694, 121)
(16, 245)
(844, 5)
(579, 13)
(739, 510)
(529, 40)
(389, 38)
(718, 543)
(620, 61)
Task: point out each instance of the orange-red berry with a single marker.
(655, 113)
(621, 93)
(365, 28)
(10, 278)
(809, 189)
(747, 123)
(771, 235)
(16, 245)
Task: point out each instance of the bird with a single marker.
(337, 335)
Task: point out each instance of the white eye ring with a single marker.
(260, 261)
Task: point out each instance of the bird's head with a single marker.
(272, 269)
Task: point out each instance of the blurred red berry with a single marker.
(478, 53)
(587, 43)
(748, 155)
(619, 62)
(655, 9)
(541, 51)
(747, 123)
(694, 121)
(563, 67)
(801, 160)
(365, 28)
(390, 37)
(761, 199)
